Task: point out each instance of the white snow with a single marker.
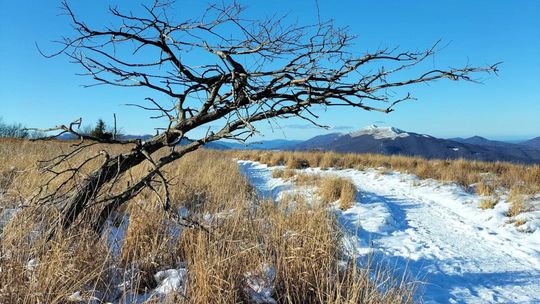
(117, 235)
(434, 231)
(171, 280)
(261, 285)
(75, 297)
(6, 215)
(261, 177)
(31, 265)
(380, 132)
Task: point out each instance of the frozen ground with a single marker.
(435, 232)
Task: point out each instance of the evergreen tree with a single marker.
(100, 131)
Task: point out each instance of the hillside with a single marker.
(393, 141)
(533, 143)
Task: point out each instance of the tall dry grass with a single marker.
(294, 250)
(333, 188)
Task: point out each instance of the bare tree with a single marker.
(253, 70)
(14, 130)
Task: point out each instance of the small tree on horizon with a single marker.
(100, 131)
(13, 130)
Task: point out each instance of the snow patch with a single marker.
(171, 280)
(116, 234)
(380, 132)
(260, 176)
(261, 285)
(6, 215)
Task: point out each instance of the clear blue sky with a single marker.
(41, 92)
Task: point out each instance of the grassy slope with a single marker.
(247, 236)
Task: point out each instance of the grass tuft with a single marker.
(518, 204)
(485, 188)
(488, 203)
(333, 188)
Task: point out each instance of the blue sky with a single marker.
(42, 92)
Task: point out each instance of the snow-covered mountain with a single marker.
(393, 141)
(380, 132)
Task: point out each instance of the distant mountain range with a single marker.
(393, 141)
(275, 144)
(533, 143)
(481, 141)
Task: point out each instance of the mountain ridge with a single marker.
(394, 141)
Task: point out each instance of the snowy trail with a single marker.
(434, 231)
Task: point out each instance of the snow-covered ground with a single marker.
(435, 232)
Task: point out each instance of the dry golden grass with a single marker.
(304, 179)
(520, 222)
(296, 163)
(488, 203)
(276, 160)
(333, 188)
(289, 173)
(517, 202)
(488, 176)
(283, 173)
(485, 188)
(149, 243)
(348, 195)
(327, 161)
(49, 274)
(301, 242)
(277, 173)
